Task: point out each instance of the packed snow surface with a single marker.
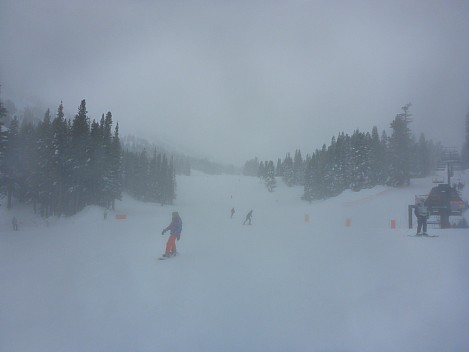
(297, 279)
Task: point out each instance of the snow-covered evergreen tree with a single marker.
(261, 170)
(279, 169)
(421, 162)
(168, 181)
(377, 158)
(44, 179)
(60, 170)
(298, 169)
(81, 157)
(269, 176)
(14, 158)
(20, 162)
(400, 149)
(288, 172)
(315, 182)
(465, 149)
(3, 143)
(251, 167)
(360, 159)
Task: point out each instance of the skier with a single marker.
(422, 214)
(248, 218)
(232, 212)
(14, 222)
(175, 229)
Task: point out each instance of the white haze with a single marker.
(238, 79)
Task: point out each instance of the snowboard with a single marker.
(171, 256)
(422, 235)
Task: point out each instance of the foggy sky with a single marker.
(237, 79)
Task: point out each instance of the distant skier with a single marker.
(422, 214)
(175, 229)
(232, 212)
(248, 218)
(14, 222)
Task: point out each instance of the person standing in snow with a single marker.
(175, 229)
(232, 212)
(422, 214)
(248, 218)
(14, 222)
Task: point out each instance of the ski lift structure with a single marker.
(444, 200)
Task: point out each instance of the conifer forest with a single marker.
(60, 165)
(358, 161)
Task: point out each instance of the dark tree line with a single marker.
(362, 160)
(183, 164)
(150, 179)
(60, 165)
(135, 145)
(292, 170)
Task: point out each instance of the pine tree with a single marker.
(25, 169)
(154, 184)
(261, 170)
(251, 167)
(12, 159)
(315, 186)
(465, 150)
(96, 164)
(422, 164)
(60, 146)
(298, 169)
(44, 179)
(320, 171)
(171, 182)
(377, 159)
(111, 163)
(386, 159)
(309, 191)
(360, 147)
(166, 181)
(288, 173)
(400, 149)
(115, 181)
(279, 168)
(3, 143)
(159, 178)
(143, 180)
(80, 153)
(339, 159)
(270, 181)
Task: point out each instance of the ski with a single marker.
(423, 235)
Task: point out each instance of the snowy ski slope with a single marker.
(282, 284)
